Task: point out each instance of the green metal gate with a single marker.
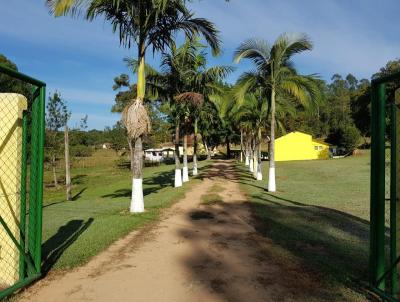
(22, 109)
(385, 187)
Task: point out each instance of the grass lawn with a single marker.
(319, 217)
(74, 231)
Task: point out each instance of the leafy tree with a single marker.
(10, 84)
(83, 123)
(117, 137)
(57, 116)
(345, 136)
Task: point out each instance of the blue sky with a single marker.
(80, 59)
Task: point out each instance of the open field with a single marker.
(319, 217)
(75, 231)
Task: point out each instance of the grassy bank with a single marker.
(319, 217)
(74, 231)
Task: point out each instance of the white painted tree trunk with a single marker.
(251, 165)
(271, 174)
(194, 172)
(178, 178)
(255, 163)
(241, 145)
(271, 180)
(259, 172)
(247, 162)
(185, 176)
(185, 171)
(137, 202)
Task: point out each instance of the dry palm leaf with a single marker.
(196, 99)
(136, 119)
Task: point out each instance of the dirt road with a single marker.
(198, 252)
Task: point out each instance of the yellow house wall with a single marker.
(11, 107)
(299, 146)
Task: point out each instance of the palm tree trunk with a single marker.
(251, 164)
(67, 164)
(247, 153)
(259, 166)
(195, 148)
(228, 147)
(53, 164)
(241, 145)
(178, 173)
(255, 158)
(271, 174)
(132, 152)
(185, 171)
(137, 202)
(207, 149)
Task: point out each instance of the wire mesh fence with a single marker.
(11, 109)
(21, 179)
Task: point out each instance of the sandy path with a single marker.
(197, 253)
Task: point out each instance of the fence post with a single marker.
(393, 197)
(377, 218)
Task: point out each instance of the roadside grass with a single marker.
(216, 189)
(319, 216)
(211, 199)
(74, 231)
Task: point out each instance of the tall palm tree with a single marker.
(148, 24)
(275, 68)
(185, 81)
(254, 113)
(223, 101)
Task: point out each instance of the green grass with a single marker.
(74, 231)
(216, 189)
(319, 216)
(210, 199)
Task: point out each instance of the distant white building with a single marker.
(158, 155)
(106, 146)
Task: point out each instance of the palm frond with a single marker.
(67, 7)
(253, 49)
(289, 44)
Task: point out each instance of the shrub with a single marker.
(81, 151)
(346, 136)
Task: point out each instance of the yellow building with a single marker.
(299, 146)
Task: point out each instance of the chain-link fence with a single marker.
(21, 179)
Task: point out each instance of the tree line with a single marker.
(265, 102)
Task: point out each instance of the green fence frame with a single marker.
(381, 270)
(29, 246)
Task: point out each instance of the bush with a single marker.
(81, 151)
(346, 136)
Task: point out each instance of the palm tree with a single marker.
(223, 101)
(148, 24)
(278, 75)
(253, 114)
(185, 81)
